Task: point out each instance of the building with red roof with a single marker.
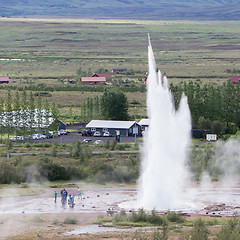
(235, 79)
(92, 80)
(4, 79)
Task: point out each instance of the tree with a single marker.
(17, 112)
(47, 114)
(25, 117)
(204, 124)
(89, 108)
(31, 112)
(217, 127)
(230, 102)
(9, 114)
(55, 116)
(1, 116)
(114, 105)
(83, 111)
(96, 107)
(39, 112)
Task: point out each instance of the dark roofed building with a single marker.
(106, 75)
(119, 70)
(4, 79)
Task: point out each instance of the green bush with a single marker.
(200, 231)
(108, 144)
(26, 145)
(123, 146)
(230, 230)
(174, 217)
(119, 217)
(54, 148)
(69, 220)
(155, 219)
(140, 216)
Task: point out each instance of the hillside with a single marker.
(130, 9)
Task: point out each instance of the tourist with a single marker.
(79, 193)
(55, 196)
(71, 201)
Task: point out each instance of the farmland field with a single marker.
(50, 51)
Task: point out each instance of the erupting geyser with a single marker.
(165, 144)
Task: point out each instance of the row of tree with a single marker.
(112, 105)
(22, 114)
(209, 104)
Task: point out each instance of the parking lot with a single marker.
(72, 134)
(70, 137)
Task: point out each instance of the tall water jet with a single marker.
(165, 144)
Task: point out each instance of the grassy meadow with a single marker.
(50, 51)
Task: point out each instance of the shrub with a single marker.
(230, 230)
(8, 173)
(119, 217)
(174, 217)
(56, 171)
(107, 144)
(69, 220)
(114, 144)
(55, 221)
(200, 231)
(26, 145)
(153, 218)
(140, 216)
(54, 149)
(123, 146)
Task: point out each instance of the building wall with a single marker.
(123, 132)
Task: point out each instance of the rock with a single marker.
(98, 195)
(107, 193)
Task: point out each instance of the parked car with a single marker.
(42, 136)
(97, 134)
(38, 136)
(86, 140)
(87, 133)
(106, 134)
(17, 138)
(49, 135)
(97, 142)
(35, 137)
(63, 132)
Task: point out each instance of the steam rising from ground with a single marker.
(227, 161)
(165, 143)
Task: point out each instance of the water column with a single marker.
(165, 144)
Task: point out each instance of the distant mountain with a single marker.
(125, 9)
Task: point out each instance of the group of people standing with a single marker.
(64, 195)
